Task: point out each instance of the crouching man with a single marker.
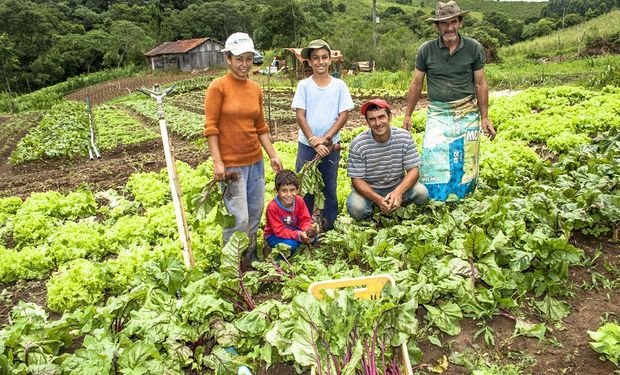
(383, 166)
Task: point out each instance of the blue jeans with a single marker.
(273, 240)
(360, 208)
(328, 167)
(245, 199)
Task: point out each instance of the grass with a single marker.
(565, 41)
(520, 10)
(521, 73)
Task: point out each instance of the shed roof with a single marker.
(180, 46)
(336, 55)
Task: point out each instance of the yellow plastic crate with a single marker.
(369, 288)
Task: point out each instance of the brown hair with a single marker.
(374, 107)
(286, 177)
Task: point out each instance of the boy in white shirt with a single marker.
(321, 103)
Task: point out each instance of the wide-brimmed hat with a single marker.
(317, 43)
(378, 102)
(238, 43)
(445, 11)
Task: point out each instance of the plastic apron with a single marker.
(450, 149)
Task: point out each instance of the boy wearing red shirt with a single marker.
(287, 214)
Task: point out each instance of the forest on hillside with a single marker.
(43, 42)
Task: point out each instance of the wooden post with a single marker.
(92, 147)
(173, 177)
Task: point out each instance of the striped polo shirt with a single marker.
(382, 165)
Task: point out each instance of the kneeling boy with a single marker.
(287, 214)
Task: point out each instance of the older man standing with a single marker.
(458, 106)
(383, 165)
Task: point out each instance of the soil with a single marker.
(565, 350)
(111, 171)
(571, 354)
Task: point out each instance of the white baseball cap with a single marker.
(238, 43)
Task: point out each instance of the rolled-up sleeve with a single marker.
(213, 108)
(261, 125)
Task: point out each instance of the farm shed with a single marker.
(300, 67)
(186, 55)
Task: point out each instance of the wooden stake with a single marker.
(173, 177)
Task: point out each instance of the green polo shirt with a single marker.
(450, 77)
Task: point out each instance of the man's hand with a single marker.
(383, 205)
(488, 129)
(276, 165)
(407, 122)
(393, 200)
(218, 170)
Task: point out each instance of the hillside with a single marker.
(100, 35)
(521, 10)
(572, 40)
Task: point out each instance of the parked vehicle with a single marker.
(258, 58)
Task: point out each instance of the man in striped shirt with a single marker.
(383, 165)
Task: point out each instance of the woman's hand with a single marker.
(276, 165)
(219, 171)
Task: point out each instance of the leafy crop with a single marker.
(505, 250)
(63, 132)
(47, 97)
(310, 178)
(343, 335)
(186, 124)
(115, 127)
(27, 263)
(79, 283)
(207, 204)
(606, 340)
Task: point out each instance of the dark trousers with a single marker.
(328, 167)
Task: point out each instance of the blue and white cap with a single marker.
(238, 43)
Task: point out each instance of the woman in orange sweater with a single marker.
(235, 129)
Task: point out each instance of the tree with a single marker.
(32, 28)
(490, 42)
(395, 51)
(393, 11)
(542, 27)
(511, 28)
(215, 19)
(128, 42)
(281, 24)
(79, 53)
(137, 14)
(585, 8)
(45, 70)
(86, 17)
(8, 63)
(569, 20)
